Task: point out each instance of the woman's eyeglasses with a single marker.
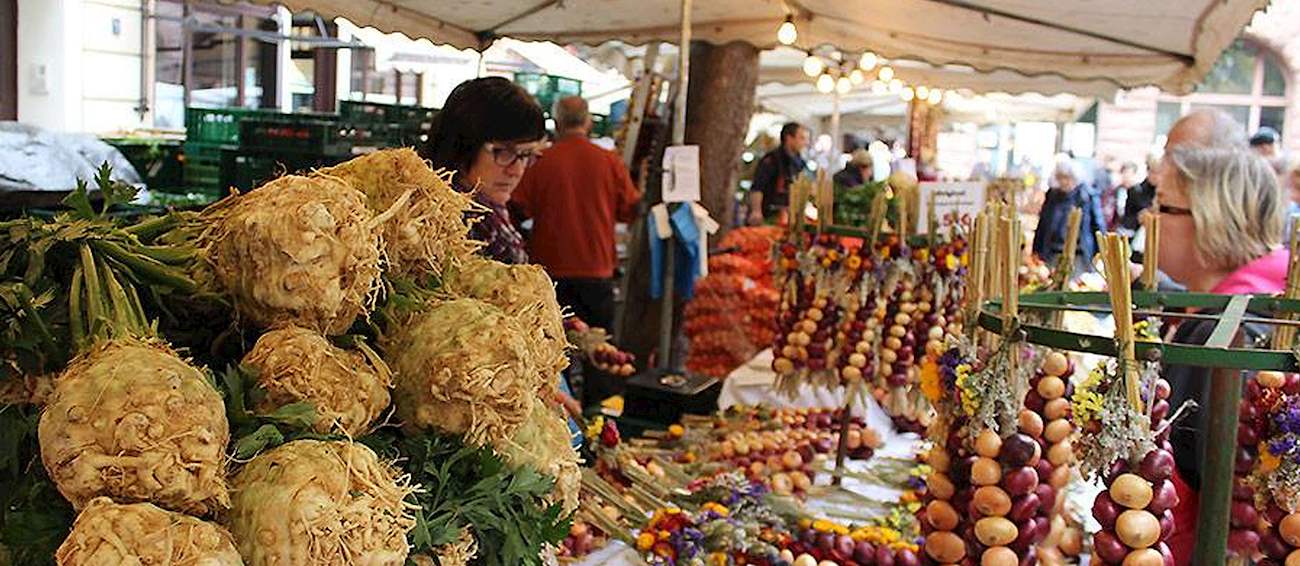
(507, 155)
(1174, 210)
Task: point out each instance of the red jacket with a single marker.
(574, 195)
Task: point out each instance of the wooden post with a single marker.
(1212, 524)
(679, 137)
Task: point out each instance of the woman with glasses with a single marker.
(1221, 212)
(489, 132)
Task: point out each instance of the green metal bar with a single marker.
(1228, 325)
(1220, 459)
(1181, 354)
(1258, 303)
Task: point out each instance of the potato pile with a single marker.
(137, 437)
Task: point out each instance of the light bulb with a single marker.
(923, 92)
(812, 66)
(787, 33)
(895, 86)
(908, 94)
(825, 84)
(878, 87)
(857, 76)
(886, 73)
(868, 61)
(936, 96)
(843, 85)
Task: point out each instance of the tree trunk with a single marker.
(722, 87)
(720, 104)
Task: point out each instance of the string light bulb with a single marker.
(843, 85)
(825, 83)
(787, 34)
(868, 61)
(857, 76)
(935, 97)
(886, 73)
(923, 92)
(907, 93)
(812, 66)
(895, 86)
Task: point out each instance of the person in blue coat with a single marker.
(1069, 190)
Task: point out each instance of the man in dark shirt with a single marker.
(776, 171)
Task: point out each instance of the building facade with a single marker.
(1257, 81)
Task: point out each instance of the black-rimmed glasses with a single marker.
(506, 155)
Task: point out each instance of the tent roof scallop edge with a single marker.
(1166, 43)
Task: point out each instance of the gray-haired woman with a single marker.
(1221, 214)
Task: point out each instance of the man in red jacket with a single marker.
(574, 195)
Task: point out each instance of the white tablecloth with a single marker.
(751, 384)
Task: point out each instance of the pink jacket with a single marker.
(1266, 274)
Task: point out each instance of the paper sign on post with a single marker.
(952, 202)
(681, 173)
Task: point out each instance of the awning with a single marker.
(785, 66)
(1130, 43)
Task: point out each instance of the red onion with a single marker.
(1024, 507)
(1108, 547)
(1046, 496)
(863, 552)
(1105, 510)
(1020, 481)
(844, 545)
(1165, 498)
(1243, 542)
(1166, 524)
(906, 557)
(884, 556)
(1243, 515)
(1157, 465)
(1273, 546)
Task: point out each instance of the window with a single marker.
(212, 55)
(386, 86)
(1247, 83)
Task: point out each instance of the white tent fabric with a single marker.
(784, 65)
(1167, 43)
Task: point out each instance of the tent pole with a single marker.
(683, 76)
(679, 138)
(640, 100)
(835, 130)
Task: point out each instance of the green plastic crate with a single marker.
(219, 125)
(317, 137)
(548, 88)
(412, 116)
(201, 165)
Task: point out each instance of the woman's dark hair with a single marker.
(489, 109)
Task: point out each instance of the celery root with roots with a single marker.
(141, 533)
(525, 292)
(326, 503)
(543, 442)
(462, 366)
(431, 232)
(298, 250)
(349, 389)
(131, 420)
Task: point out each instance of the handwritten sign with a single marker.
(681, 173)
(953, 202)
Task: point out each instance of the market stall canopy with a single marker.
(863, 109)
(1167, 43)
(784, 65)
